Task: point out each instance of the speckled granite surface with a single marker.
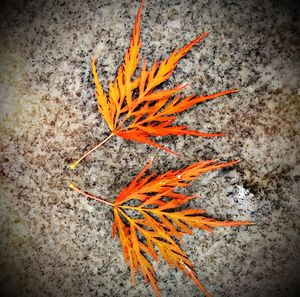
(53, 242)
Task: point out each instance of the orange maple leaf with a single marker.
(149, 218)
(134, 109)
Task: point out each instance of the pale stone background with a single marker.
(53, 242)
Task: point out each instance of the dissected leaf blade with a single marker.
(136, 107)
(135, 118)
(162, 220)
(151, 218)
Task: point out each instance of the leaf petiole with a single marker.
(73, 187)
(74, 164)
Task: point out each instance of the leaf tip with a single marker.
(235, 162)
(182, 86)
(231, 163)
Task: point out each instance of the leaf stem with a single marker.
(73, 165)
(73, 187)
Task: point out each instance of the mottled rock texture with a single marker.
(54, 242)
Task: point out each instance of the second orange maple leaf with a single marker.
(149, 218)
